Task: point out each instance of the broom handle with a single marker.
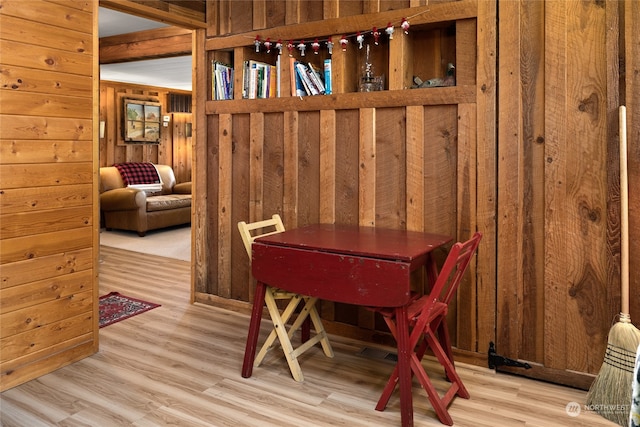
(624, 213)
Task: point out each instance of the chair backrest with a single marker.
(453, 270)
(253, 230)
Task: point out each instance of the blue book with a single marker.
(327, 77)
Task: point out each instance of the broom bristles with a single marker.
(610, 393)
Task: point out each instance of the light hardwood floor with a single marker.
(179, 365)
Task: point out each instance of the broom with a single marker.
(610, 393)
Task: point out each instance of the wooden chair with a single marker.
(250, 232)
(427, 320)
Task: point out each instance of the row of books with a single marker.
(262, 80)
(222, 81)
(307, 80)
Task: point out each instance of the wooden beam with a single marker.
(161, 11)
(423, 15)
(160, 43)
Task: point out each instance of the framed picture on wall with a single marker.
(142, 121)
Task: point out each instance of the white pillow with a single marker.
(149, 189)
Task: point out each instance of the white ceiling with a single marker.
(172, 73)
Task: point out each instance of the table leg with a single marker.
(404, 366)
(254, 330)
(432, 271)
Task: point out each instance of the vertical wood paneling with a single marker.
(549, 252)
(240, 209)
(440, 139)
(415, 168)
(327, 166)
(587, 190)
(367, 162)
(347, 167)
(201, 223)
(511, 178)
(256, 168)
(256, 188)
(292, 12)
(290, 189)
(241, 15)
(390, 168)
(614, 13)
(274, 166)
(308, 180)
(576, 192)
(486, 185)
(555, 183)
(468, 296)
(48, 165)
(533, 234)
(225, 148)
(331, 9)
(276, 13)
(632, 102)
(259, 14)
(400, 58)
(395, 167)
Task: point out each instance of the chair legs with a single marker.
(440, 345)
(280, 331)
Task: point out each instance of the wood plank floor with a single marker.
(179, 364)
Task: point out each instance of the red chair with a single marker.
(427, 320)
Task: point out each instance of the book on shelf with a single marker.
(259, 80)
(306, 79)
(222, 81)
(328, 89)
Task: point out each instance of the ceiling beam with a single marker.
(158, 10)
(150, 44)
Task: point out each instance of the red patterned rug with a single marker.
(115, 307)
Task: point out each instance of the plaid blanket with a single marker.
(138, 173)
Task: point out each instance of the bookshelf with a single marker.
(436, 38)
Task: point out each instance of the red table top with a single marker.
(380, 243)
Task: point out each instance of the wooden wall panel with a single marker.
(575, 192)
(308, 179)
(263, 171)
(243, 131)
(440, 142)
(558, 262)
(364, 163)
(48, 209)
(631, 73)
(390, 180)
(541, 186)
(347, 167)
(225, 201)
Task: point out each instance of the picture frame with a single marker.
(142, 121)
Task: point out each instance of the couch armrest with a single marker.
(123, 199)
(182, 188)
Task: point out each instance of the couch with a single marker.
(143, 207)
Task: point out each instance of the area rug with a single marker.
(115, 307)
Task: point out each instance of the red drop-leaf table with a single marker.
(364, 266)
